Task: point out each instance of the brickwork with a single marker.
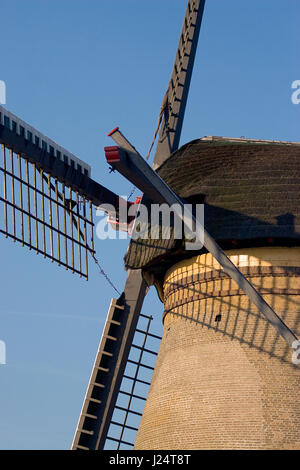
(224, 379)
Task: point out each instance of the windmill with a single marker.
(104, 387)
(57, 167)
(96, 417)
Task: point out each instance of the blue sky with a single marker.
(75, 69)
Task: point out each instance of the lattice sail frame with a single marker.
(135, 385)
(44, 214)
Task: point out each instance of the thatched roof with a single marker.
(250, 189)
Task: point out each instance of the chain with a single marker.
(104, 274)
(132, 192)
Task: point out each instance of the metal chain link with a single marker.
(132, 192)
(104, 274)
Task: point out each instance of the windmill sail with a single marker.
(46, 196)
(174, 103)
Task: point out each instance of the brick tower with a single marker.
(224, 378)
